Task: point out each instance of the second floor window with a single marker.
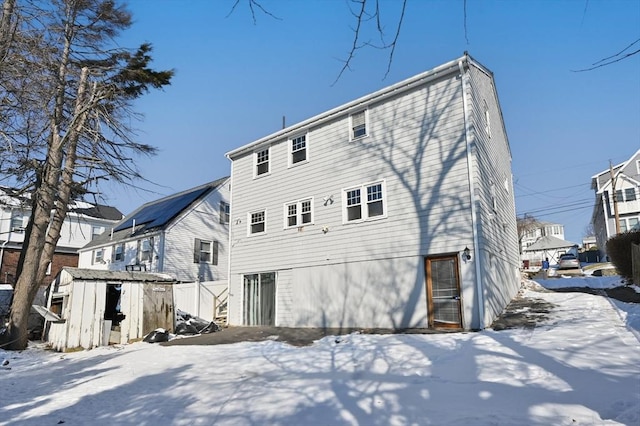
(299, 213)
(205, 251)
(98, 256)
(18, 222)
(257, 222)
(224, 212)
(95, 231)
(262, 162)
(145, 250)
(118, 253)
(365, 202)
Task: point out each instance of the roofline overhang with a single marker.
(450, 67)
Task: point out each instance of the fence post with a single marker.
(635, 263)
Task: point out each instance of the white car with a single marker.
(568, 261)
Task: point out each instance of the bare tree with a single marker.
(525, 224)
(70, 111)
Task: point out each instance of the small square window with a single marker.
(95, 231)
(262, 162)
(257, 222)
(359, 124)
(205, 251)
(629, 194)
(298, 149)
(98, 256)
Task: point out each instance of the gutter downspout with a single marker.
(474, 219)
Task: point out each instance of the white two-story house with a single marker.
(395, 210)
(84, 221)
(184, 235)
(624, 186)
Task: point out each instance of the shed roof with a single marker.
(549, 242)
(102, 275)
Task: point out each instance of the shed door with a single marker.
(443, 292)
(260, 299)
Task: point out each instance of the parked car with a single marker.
(568, 261)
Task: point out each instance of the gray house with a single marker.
(395, 210)
(616, 192)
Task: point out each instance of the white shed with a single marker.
(96, 308)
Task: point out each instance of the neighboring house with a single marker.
(626, 178)
(533, 258)
(184, 235)
(395, 210)
(548, 248)
(84, 222)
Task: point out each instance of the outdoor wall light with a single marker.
(466, 254)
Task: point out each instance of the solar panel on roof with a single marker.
(161, 212)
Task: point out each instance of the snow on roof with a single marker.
(549, 242)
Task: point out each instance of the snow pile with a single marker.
(579, 367)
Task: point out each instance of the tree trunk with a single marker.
(43, 204)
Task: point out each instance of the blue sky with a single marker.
(235, 80)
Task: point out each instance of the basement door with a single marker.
(443, 292)
(259, 303)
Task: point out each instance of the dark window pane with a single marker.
(354, 213)
(375, 208)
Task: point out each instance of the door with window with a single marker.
(259, 305)
(443, 292)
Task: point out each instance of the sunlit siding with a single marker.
(413, 146)
(202, 221)
(495, 202)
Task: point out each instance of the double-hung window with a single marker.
(262, 162)
(205, 251)
(365, 202)
(118, 253)
(17, 222)
(299, 213)
(145, 249)
(98, 256)
(257, 222)
(629, 194)
(224, 212)
(358, 124)
(298, 149)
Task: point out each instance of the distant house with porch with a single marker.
(394, 210)
(618, 191)
(533, 258)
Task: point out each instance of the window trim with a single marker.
(95, 259)
(250, 223)
(290, 150)
(364, 202)
(114, 252)
(141, 250)
(214, 249)
(367, 130)
(299, 213)
(256, 163)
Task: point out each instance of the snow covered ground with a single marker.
(580, 367)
